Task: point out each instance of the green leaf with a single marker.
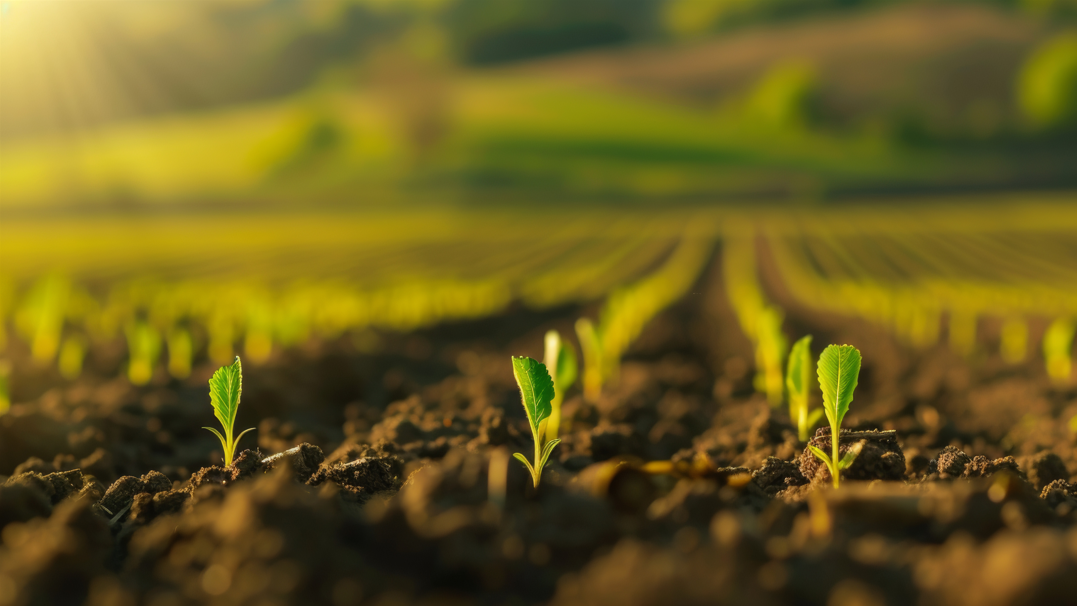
(224, 390)
(523, 459)
(839, 370)
(825, 458)
(813, 417)
(798, 375)
(567, 368)
(224, 443)
(536, 390)
(547, 450)
(236, 441)
(850, 455)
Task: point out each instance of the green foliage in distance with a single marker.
(1047, 84)
(225, 387)
(561, 357)
(1057, 348)
(536, 391)
(5, 398)
(629, 309)
(798, 379)
(144, 347)
(839, 371)
(1013, 344)
(770, 350)
(72, 354)
(783, 98)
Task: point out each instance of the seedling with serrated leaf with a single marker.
(225, 387)
(536, 391)
(839, 371)
(561, 357)
(798, 379)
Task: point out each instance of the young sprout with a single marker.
(1013, 344)
(536, 390)
(1057, 347)
(143, 347)
(5, 399)
(224, 389)
(561, 357)
(72, 354)
(592, 359)
(770, 352)
(839, 370)
(180, 352)
(798, 384)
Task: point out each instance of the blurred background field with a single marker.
(198, 179)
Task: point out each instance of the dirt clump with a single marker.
(880, 458)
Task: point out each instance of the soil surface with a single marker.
(375, 478)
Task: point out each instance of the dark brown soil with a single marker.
(369, 481)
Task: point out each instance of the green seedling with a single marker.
(225, 387)
(561, 357)
(1013, 345)
(180, 352)
(536, 391)
(839, 371)
(591, 346)
(143, 348)
(72, 354)
(1057, 348)
(770, 350)
(629, 309)
(5, 399)
(798, 384)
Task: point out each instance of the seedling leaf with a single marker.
(850, 455)
(839, 369)
(561, 358)
(536, 392)
(536, 389)
(548, 449)
(225, 387)
(218, 434)
(523, 460)
(798, 385)
(798, 378)
(825, 458)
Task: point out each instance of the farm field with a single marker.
(503, 302)
(674, 480)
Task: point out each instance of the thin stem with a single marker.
(834, 458)
(538, 460)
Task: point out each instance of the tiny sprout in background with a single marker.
(536, 391)
(770, 353)
(180, 352)
(798, 380)
(561, 357)
(839, 371)
(225, 387)
(1057, 345)
(143, 346)
(591, 346)
(5, 397)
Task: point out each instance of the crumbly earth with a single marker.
(370, 478)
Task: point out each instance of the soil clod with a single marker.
(880, 458)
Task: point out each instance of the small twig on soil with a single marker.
(866, 435)
(280, 455)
